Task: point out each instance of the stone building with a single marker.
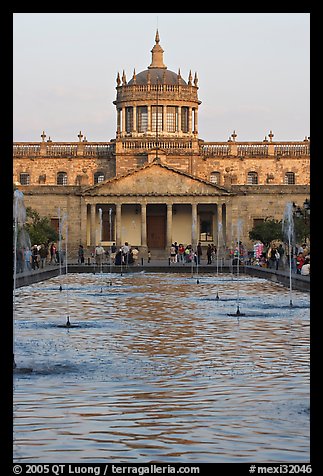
(157, 182)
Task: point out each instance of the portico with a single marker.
(153, 217)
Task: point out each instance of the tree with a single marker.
(267, 231)
(39, 228)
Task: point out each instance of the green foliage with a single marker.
(302, 229)
(267, 231)
(39, 228)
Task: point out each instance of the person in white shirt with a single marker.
(305, 271)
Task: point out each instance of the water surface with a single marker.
(156, 370)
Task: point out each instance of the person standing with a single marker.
(199, 252)
(209, 254)
(80, 259)
(53, 253)
(43, 255)
(99, 253)
(34, 258)
(172, 252)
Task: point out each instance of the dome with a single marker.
(163, 76)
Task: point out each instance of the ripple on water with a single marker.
(156, 371)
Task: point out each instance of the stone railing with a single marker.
(26, 150)
(206, 149)
(153, 144)
(254, 149)
(62, 149)
(149, 91)
(292, 149)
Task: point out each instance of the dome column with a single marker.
(118, 121)
(179, 125)
(190, 120)
(123, 118)
(134, 127)
(164, 118)
(195, 131)
(149, 118)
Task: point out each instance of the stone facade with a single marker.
(157, 181)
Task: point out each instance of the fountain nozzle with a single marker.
(68, 321)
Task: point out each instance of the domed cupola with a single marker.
(156, 101)
(157, 72)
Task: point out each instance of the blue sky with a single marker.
(253, 70)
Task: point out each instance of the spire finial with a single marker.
(157, 60)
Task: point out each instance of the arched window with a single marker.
(289, 178)
(24, 179)
(61, 178)
(252, 178)
(98, 177)
(215, 177)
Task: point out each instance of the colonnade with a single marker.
(123, 126)
(168, 210)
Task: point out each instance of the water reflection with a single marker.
(156, 371)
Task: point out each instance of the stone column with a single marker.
(118, 121)
(93, 225)
(224, 223)
(179, 119)
(190, 120)
(219, 216)
(195, 121)
(143, 224)
(123, 117)
(83, 220)
(164, 118)
(134, 112)
(194, 225)
(149, 118)
(229, 236)
(169, 225)
(118, 224)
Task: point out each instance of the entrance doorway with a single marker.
(156, 231)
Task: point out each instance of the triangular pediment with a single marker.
(156, 179)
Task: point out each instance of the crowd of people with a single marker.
(276, 256)
(280, 257)
(180, 253)
(125, 255)
(38, 256)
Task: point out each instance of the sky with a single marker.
(253, 71)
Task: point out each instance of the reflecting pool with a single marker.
(155, 369)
